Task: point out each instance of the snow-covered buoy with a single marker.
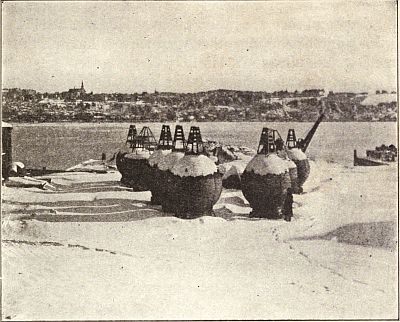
(166, 178)
(134, 166)
(282, 152)
(302, 163)
(197, 181)
(299, 158)
(266, 179)
(164, 147)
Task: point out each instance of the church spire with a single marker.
(82, 85)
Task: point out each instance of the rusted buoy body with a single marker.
(167, 182)
(134, 166)
(264, 184)
(196, 182)
(266, 179)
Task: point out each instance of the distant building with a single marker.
(74, 93)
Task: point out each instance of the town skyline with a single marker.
(87, 90)
(132, 47)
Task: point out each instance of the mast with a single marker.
(311, 133)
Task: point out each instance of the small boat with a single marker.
(382, 155)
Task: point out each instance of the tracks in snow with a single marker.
(57, 244)
(275, 234)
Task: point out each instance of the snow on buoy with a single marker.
(164, 147)
(194, 166)
(134, 166)
(197, 182)
(266, 179)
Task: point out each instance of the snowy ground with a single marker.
(91, 249)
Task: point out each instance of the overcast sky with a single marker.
(196, 46)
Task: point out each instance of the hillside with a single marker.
(216, 105)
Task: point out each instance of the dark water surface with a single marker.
(61, 145)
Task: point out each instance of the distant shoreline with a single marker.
(186, 122)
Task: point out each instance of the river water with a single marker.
(61, 145)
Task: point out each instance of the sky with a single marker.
(198, 46)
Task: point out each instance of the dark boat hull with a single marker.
(366, 162)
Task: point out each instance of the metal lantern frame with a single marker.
(130, 138)
(179, 142)
(165, 141)
(267, 142)
(145, 140)
(194, 145)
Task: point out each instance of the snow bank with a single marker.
(296, 154)
(29, 182)
(157, 156)
(243, 268)
(89, 166)
(194, 166)
(267, 164)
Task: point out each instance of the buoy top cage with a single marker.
(165, 142)
(194, 142)
(145, 140)
(179, 144)
(270, 141)
(130, 139)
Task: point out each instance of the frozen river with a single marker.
(61, 145)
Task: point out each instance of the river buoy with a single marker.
(266, 179)
(299, 158)
(134, 166)
(166, 178)
(197, 183)
(164, 147)
(282, 152)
